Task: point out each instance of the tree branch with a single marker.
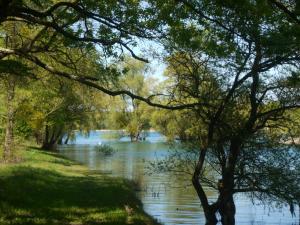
(91, 81)
(290, 14)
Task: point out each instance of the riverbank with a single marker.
(46, 188)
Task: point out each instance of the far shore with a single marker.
(106, 130)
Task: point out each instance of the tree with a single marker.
(49, 110)
(138, 112)
(113, 26)
(260, 168)
(13, 72)
(175, 125)
(127, 113)
(59, 106)
(235, 61)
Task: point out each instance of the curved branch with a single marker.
(47, 18)
(289, 13)
(91, 82)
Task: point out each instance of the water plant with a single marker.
(105, 149)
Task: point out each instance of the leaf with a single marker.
(14, 67)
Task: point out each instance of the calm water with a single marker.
(170, 199)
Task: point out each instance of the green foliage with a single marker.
(179, 125)
(129, 114)
(105, 149)
(14, 67)
(23, 129)
(113, 135)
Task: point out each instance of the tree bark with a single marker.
(60, 141)
(226, 185)
(227, 210)
(9, 131)
(209, 211)
(50, 141)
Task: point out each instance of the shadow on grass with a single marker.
(41, 196)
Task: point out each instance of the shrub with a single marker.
(105, 149)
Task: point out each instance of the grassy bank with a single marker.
(48, 189)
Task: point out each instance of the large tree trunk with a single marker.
(227, 210)
(134, 137)
(60, 140)
(226, 185)
(9, 131)
(209, 210)
(38, 137)
(50, 141)
(225, 203)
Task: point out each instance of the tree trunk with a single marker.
(226, 206)
(209, 210)
(9, 131)
(59, 141)
(137, 136)
(227, 211)
(67, 139)
(226, 185)
(38, 137)
(50, 141)
(48, 146)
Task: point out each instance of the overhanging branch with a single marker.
(91, 82)
(283, 8)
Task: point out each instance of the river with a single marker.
(170, 199)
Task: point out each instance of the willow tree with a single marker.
(127, 113)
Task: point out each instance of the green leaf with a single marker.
(11, 66)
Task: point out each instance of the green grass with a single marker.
(49, 189)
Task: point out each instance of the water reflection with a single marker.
(164, 197)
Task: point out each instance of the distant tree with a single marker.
(126, 113)
(178, 125)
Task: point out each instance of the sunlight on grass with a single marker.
(49, 189)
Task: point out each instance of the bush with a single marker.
(105, 149)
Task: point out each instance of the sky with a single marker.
(152, 51)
